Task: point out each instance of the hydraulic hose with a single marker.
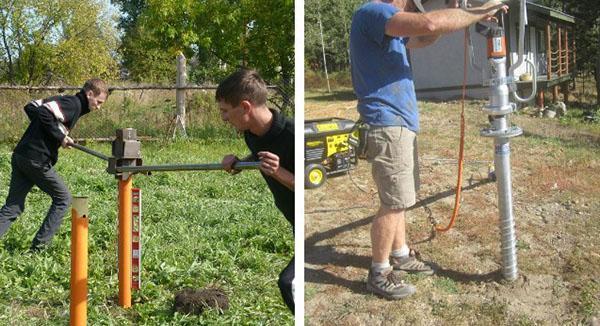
(461, 153)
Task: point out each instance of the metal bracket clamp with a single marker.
(500, 110)
(115, 163)
(126, 150)
(513, 131)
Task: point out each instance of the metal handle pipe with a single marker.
(533, 84)
(186, 167)
(501, 130)
(508, 241)
(521, 37)
(521, 55)
(90, 151)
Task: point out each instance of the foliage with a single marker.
(257, 34)
(314, 80)
(145, 60)
(218, 36)
(52, 41)
(587, 29)
(582, 117)
(587, 34)
(335, 17)
(200, 229)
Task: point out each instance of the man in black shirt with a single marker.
(35, 155)
(242, 99)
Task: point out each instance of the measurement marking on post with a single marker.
(136, 238)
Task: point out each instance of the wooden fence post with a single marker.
(180, 95)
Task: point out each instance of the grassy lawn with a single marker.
(200, 229)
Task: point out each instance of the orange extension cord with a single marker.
(461, 153)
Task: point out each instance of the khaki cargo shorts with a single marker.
(392, 152)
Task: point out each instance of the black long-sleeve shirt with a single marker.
(51, 119)
(278, 140)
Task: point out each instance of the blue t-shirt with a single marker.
(381, 73)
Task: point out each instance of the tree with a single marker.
(217, 36)
(587, 34)
(336, 17)
(49, 41)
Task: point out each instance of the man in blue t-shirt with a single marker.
(381, 33)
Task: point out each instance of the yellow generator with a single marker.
(329, 149)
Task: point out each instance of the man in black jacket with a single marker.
(242, 99)
(34, 158)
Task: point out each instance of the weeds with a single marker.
(200, 229)
(523, 245)
(589, 299)
(445, 284)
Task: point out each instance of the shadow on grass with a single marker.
(460, 277)
(341, 95)
(327, 254)
(323, 277)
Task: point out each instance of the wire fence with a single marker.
(151, 109)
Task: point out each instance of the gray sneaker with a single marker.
(412, 264)
(388, 285)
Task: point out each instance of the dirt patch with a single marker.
(556, 206)
(195, 301)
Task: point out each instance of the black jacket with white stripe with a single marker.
(51, 119)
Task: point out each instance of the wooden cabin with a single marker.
(549, 43)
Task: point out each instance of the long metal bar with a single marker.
(167, 167)
(90, 151)
(508, 238)
(186, 167)
(501, 130)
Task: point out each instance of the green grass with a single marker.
(523, 245)
(199, 229)
(445, 284)
(589, 300)
(310, 292)
(578, 116)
